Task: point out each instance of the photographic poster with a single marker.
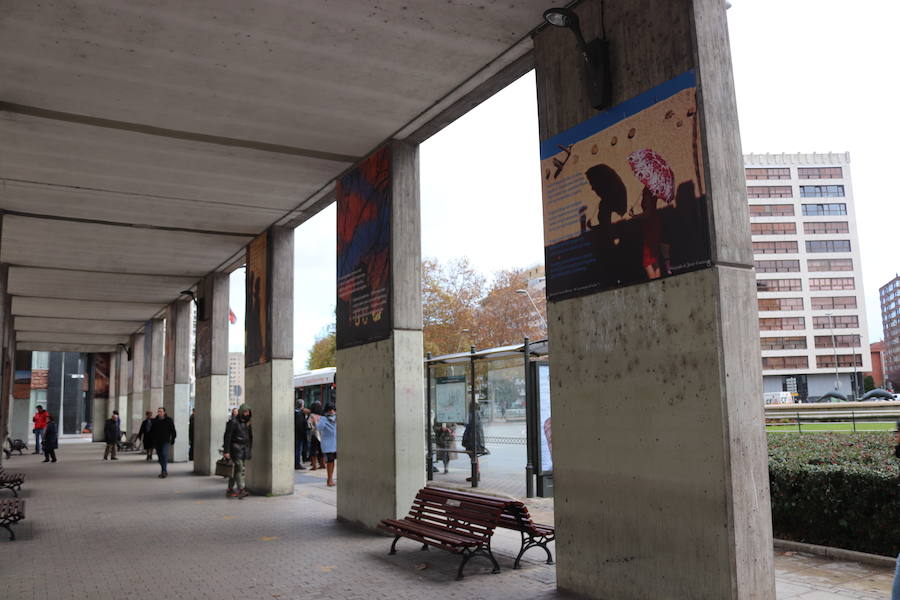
(257, 343)
(546, 427)
(101, 374)
(364, 252)
(624, 194)
(450, 399)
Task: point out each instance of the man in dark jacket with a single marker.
(301, 436)
(111, 435)
(144, 434)
(162, 436)
(238, 444)
(51, 439)
(191, 434)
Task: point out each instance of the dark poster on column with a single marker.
(364, 252)
(257, 341)
(101, 375)
(624, 194)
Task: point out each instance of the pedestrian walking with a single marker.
(301, 437)
(445, 439)
(327, 426)
(40, 424)
(162, 436)
(144, 434)
(238, 444)
(111, 434)
(51, 439)
(316, 457)
(191, 434)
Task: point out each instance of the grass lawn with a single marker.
(837, 427)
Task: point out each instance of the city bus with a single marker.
(316, 385)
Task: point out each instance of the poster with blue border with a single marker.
(624, 194)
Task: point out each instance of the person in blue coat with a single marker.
(327, 426)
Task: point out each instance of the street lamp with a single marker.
(837, 381)
(543, 320)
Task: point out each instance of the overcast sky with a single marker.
(811, 76)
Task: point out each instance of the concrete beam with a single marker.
(92, 326)
(83, 309)
(71, 338)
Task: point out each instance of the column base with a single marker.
(211, 402)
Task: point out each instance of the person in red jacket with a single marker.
(40, 424)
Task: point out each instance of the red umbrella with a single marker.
(654, 172)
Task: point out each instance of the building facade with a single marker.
(889, 295)
(812, 316)
(235, 378)
(876, 349)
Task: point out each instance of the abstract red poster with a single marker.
(364, 252)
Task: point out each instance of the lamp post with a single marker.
(837, 381)
(543, 320)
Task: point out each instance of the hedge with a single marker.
(836, 489)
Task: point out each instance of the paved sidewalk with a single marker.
(112, 530)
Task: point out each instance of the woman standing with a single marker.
(327, 427)
(316, 456)
(51, 440)
(445, 439)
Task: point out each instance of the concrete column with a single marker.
(659, 452)
(120, 402)
(136, 384)
(7, 414)
(269, 368)
(154, 356)
(381, 416)
(113, 384)
(211, 368)
(177, 391)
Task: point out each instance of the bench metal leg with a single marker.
(12, 535)
(462, 565)
(424, 547)
(533, 542)
(394, 546)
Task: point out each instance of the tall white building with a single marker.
(812, 316)
(235, 378)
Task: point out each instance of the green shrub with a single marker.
(836, 489)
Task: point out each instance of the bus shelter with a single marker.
(492, 403)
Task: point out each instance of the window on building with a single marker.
(829, 264)
(836, 322)
(841, 341)
(780, 303)
(785, 362)
(824, 210)
(820, 172)
(779, 285)
(811, 227)
(777, 266)
(821, 191)
(775, 247)
(771, 210)
(782, 323)
(828, 246)
(40, 360)
(831, 283)
(826, 361)
(773, 228)
(769, 191)
(768, 173)
(783, 343)
(832, 303)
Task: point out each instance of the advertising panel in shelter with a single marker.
(257, 342)
(624, 194)
(364, 252)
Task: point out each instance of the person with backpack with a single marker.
(238, 444)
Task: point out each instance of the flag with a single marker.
(232, 318)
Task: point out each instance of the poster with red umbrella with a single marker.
(624, 194)
(364, 252)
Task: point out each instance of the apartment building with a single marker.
(889, 295)
(812, 316)
(235, 378)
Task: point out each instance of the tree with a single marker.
(450, 302)
(322, 353)
(505, 316)
(868, 383)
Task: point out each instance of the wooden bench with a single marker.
(12, 510)
(515, 516)
(449, 522)
(11, 481)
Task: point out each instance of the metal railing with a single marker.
(864, 419)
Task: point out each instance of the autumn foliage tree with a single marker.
(322, 353)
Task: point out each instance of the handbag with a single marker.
(224, 467)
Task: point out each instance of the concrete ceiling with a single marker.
(142, 145)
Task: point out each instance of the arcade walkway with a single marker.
(113, 530)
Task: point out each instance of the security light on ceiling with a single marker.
(595, 54)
